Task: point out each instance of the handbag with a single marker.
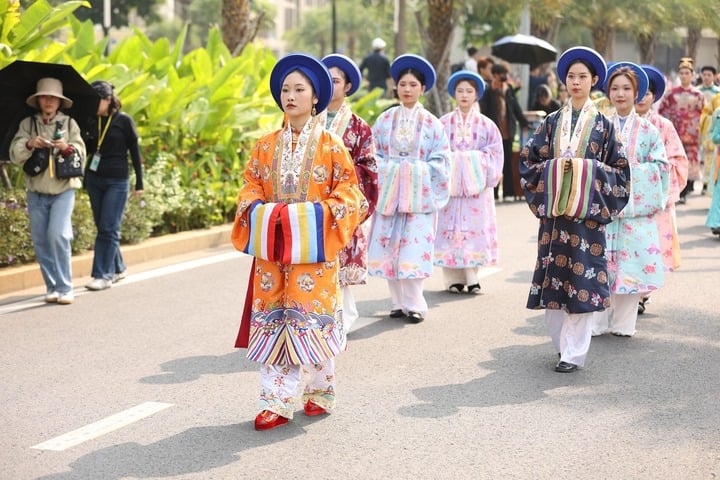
(70, 166)
(39, 160)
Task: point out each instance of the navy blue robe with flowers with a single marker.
(571, 268)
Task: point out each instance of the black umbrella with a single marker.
(522, 48)
(18, 81)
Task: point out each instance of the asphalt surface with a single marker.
(468, 394)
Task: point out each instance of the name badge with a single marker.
(95, 162)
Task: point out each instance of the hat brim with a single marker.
(585, 54)
(410, 60)
(657, 78)
(32, 100)
(466, 75)
(346, 65)
(640, 75)
(310, 66)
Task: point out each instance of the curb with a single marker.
(14, 279)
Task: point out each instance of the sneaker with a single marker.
(119, 276)
(52, 297)
(99, 284)
(66, 298)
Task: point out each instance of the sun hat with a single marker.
(466, 75)
(585, 54)
(378, 44)
(410, 60)
(310, 66)
(49, 86)
(346, 65)
(640, 75)
(657, 79)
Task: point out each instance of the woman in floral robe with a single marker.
(570, 280)
(357, 137)
(633, 242)
(298, 208)
(467, 232)
(683, 105)
(666, 222)
(412, 154)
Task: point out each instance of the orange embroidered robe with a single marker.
(295, 221)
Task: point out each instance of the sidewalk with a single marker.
(24, 277)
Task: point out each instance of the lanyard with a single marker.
(101, 137)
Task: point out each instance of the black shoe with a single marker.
(565, 367)
(474, 288)
(682, 200)
(397, 313)
(415, 317)
(456, 288)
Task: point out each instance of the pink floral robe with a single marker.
(683, 108)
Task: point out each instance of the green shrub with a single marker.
(15, 242)
(83, 224)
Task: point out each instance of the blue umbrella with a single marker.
(521, 48)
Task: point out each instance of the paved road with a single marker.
(145, 379)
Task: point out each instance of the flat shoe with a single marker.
(474, 288)
(267, 420)
(397, 313)
(618, 334)
(456, 288)
(313, 409)
(565, 367)
(415, 317)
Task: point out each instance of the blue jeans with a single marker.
(108, 197)
(51, 231)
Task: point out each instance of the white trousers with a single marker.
(407, 295)
(279, 386)
(463, 276)
(571, 334)
(621, 318)
(350, 311)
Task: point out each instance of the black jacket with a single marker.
(513, 114)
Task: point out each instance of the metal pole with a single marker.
(524, 68)
(107, 23)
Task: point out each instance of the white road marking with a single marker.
(101, 427)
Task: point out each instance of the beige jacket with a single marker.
(19, 153)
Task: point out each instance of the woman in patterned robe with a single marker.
(570, 280)
(667, 225)
(412, 154)
(683, 105)
(357, 137)
(298, 208)
(633, 241)
(467, 231)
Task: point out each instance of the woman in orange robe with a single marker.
(298, 208)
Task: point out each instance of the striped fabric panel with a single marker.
(475, 178)
(582, 188)
(553, 178)
(303, 233)
(263, 222)
(410, 197)
(389, 186)
(286, 347)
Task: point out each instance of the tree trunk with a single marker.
(646, 44)
(400, 40)
(601, 39)
(238, 27)
(439, 39)
(691, 42)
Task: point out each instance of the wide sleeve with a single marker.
(316, 231)
(650, 178)
(252, 194)
(364, 158)
(605, 165)
(424, 183)
(19, 153)
(472, 171)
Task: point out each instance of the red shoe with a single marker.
(312, 409)
(267, 420)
